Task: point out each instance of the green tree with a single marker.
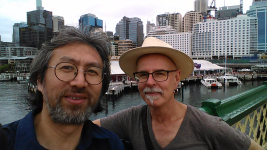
(6, 67)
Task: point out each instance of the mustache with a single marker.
(74, 90)
(147, 89)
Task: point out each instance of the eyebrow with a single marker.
(142, 71)
(90, 64)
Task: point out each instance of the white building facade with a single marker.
(180, 41)
(234, 38)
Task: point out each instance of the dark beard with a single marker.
(71, 116)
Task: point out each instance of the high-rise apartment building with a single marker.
(113, 49)
(201, 6)
(259, 10)
(180, 41)
(58, 22)
(232, 38)
(124, 45)
(132, 29)
(16, 26)
(149, 27)
(191, 18)
(162, 30)
(168, 19)
(90, 21)
(227, 12)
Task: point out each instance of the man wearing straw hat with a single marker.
(166, 123)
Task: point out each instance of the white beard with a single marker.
(152, 98)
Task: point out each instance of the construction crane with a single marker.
(211, 7)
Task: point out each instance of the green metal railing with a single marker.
(245, 112)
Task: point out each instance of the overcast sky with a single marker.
(110, 11)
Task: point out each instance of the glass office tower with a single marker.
(259, 10)
(90, 21)
(39, 30)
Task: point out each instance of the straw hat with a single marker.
(152, 45)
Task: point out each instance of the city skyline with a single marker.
(110, 12)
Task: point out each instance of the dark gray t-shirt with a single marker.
(198, 131)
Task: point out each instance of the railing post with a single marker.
(209, 106)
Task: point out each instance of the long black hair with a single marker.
(65, 36)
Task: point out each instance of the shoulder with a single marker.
(101, 135)
(126, 113)
(201, 116)
(100, 132)
(11, 130)
(203, 122)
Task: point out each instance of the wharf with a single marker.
(116, 88)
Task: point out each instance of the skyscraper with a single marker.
(259, 10)
(132, 29)
(16, 27)
(191, 18)
(149, 27)
(90, 21)
(40, 27)
(39, 5)
(58, 22)
(39, 30)
(168, 19)
(201, 6)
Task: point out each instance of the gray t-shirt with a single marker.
(198, 131)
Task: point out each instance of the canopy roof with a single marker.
(115, 67)
(206, 65)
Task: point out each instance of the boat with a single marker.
(23, 81)
(246, 74)
(228, 79)
(5, 77)
(211, 83)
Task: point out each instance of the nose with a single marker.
(150, 80)
(80, 80)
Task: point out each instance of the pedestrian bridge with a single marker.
(245, 111)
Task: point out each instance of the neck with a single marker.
(171, 111)
(56, 136)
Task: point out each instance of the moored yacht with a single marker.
(228, 79)
(211, 83)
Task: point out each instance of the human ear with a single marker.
(40, 85)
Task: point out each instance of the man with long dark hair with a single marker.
(72, 74)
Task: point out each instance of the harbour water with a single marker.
(14, 106)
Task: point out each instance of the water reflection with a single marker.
(14, 106)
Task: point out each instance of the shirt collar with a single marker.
(26, 135)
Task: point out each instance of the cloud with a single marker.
(110, 11)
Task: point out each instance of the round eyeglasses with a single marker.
(66, 71)
(159, 76)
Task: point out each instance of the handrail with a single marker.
(234, 108)
(245, 111)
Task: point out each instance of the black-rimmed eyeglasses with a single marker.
(159, 76)
(66, 71)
